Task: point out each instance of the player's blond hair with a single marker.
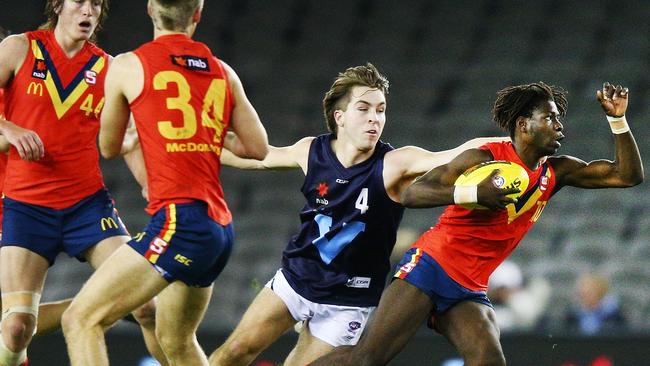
(52, 8)
(174, 15)
(338, 97)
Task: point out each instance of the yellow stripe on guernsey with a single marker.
(62, 106)
(513, 213)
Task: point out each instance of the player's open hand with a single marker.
(613, 99)
(493, 197)
(27, 142)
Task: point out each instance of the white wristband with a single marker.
(465, 194)
(618, 124)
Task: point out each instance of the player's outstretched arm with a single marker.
(13, 50)
(278, 158)
(436, 187)
(250, 140)
(626, 170)
(403, 165)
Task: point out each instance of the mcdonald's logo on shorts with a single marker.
(107, 223)
(35, 88)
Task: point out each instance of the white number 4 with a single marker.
(362, 201)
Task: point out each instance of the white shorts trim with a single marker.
(334, 324)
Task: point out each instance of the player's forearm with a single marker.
(628, 159)
(135, 162)
(427, 191)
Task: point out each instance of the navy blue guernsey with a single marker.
(348, 229)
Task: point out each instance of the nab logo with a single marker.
(107, 223)
(191, 62)
(40, 69)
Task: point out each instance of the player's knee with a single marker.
(74, 319)
(19, 328)
(146, 314)
(174, 345)
(238, 349)
(485, 353)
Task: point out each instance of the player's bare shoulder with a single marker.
(13, 51)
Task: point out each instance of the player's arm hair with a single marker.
(436, 187)
(115, 115)
(250, 139)
(278, 158)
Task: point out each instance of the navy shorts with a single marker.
(183, 243)
(423, 272)
(48, 232)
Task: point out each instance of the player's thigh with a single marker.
(402, 309)
(124, 282)
(307, 349)
(470, 326)
(266, 319)
(180, 308)
(92, 229)
(98, 254)
(22, 270)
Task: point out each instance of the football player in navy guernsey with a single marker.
(334, 269)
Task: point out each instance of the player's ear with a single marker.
(196, 17)
(149, 9)
(522, 124)
(338, 117)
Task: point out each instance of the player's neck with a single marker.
(159, 32)
(348, 154)
(68, 45)
(529, 156)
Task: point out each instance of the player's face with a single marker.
(79, 18)
(363, 121)
(545, 128)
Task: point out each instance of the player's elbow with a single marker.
(109, 151)
(257, 152)
(409, 197)
(636, 178)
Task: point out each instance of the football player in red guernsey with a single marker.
(55, 199)
(445, 273)
(184, 100)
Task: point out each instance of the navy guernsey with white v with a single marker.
(348, 229)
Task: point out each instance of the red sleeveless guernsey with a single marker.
(182, 116)
(3, 157)
(470, 244)
(60, 99)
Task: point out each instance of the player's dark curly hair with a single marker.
(52, 8)
(4, 33)
(521, 100)
(338, 96)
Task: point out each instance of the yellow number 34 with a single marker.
(212, 102)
